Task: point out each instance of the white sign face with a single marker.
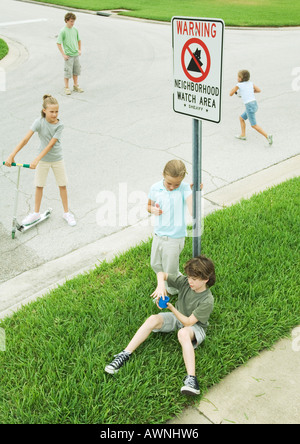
(197, 67)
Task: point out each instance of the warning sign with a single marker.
(197, 67)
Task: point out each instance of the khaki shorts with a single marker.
(42, 170)
(171, 323)
(165, 254)
(72, 67)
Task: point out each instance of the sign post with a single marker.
(197, 76)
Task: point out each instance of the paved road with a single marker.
(119, 134)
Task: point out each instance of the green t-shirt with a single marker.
(69, 38)
(189, 302)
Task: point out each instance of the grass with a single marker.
(233, 12)
(57, 347)
(3, 49)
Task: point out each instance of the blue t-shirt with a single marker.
(172, 221)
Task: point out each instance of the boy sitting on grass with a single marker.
(189, 316)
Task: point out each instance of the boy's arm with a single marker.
(43, 153)
(11, 157)
(234, 90)
(256, 89)
(60, 48)
(186, 321)
(79, 47)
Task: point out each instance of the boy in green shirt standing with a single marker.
(69, 45)
(189, 316)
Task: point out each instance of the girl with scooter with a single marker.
(49, 129)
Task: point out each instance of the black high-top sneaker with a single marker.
(191, 386)
(117, 363)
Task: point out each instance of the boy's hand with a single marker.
(66, 57)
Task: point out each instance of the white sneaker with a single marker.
(241, 137)
(69, 217)
(31, 218)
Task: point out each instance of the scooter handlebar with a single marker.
(24, 165)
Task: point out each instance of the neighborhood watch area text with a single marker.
(187, 88)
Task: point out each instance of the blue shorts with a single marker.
(251, 108)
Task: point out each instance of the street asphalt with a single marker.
(118, 136)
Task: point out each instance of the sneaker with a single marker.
(270, 139)
(68, 91)
(191, 386)
(31, 218)
(69, 217)
(241, 137)
(77, 89)
(117, 363)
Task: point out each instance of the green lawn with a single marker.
(3, 49)
(233, 12)
(57, 347)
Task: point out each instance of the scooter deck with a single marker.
(43, 217)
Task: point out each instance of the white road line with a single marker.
(22, 22)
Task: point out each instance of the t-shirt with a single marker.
(172, 221)
(69, 38)
(247, 91)
(189, 302)
(46, 132)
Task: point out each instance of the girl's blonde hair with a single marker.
(175, 168)
(48, 100)
(244, 75)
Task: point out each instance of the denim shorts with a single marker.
(171, 323)
(251, 108)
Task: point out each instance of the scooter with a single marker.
(15, 225)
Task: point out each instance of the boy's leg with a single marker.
(153, 322)
(185, 337)
(190, 338)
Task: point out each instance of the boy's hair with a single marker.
(201, 267)
(244, 75)
(175, 168)
(48, 100)
(70, 16)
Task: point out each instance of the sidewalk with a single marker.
(264, 391)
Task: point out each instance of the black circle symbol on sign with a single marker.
(195, 63)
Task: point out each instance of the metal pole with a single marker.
(197, 180)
